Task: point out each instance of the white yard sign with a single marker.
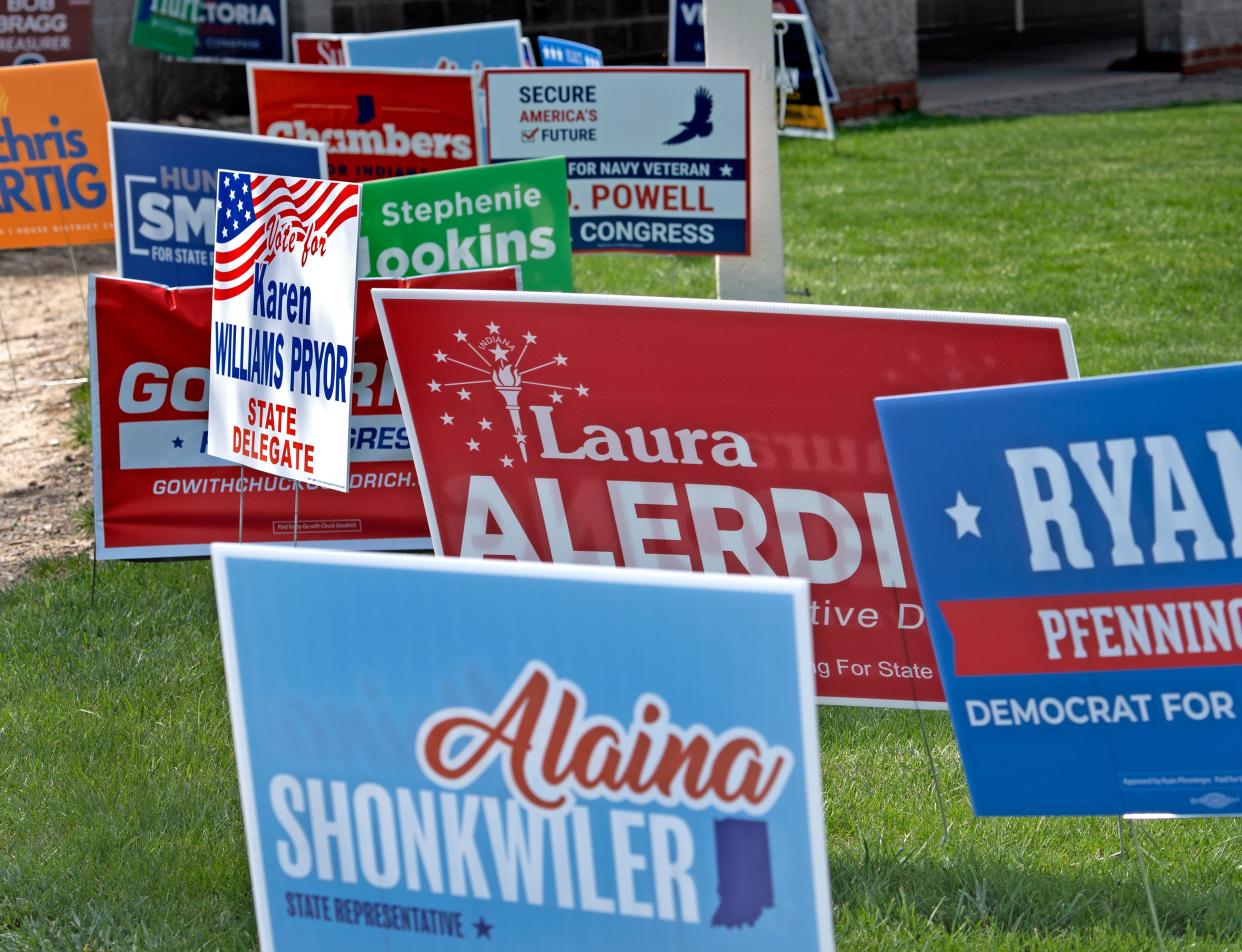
(657, 159)
(282, 325)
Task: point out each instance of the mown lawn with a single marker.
(119, 819)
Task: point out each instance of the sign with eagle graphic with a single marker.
(657, 159)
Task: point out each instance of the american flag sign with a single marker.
(284, 287)
(252, 211)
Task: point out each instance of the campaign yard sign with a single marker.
(554, 51)
(319, 49)
(715, 436)
(43, 31)
(157, 492)
(686, 45)
(468, 47)
(233, 31)
(1079, 547)
(658, 159)
(166, 26)
(375, 123)
(495, 215)
(164, 179)
(465, 754)
(802, 99)
(54, 156)
(282, 326)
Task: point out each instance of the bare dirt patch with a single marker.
(45, 477)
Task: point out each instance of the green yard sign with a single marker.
(166, 26)
(493, 216)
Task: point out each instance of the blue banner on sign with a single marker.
(164, 187)
(476, 46)
(557, 52)
(1079, 550)
(241, 30)
(544, 757)
(684, 235)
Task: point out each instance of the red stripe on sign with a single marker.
(1110, 631)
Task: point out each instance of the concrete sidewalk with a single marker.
(1070, 78)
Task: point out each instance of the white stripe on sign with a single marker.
(180, 444)
(378, 438)
(165, 444)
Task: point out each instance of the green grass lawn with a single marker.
(120, 825)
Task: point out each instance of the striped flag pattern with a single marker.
(245, 202)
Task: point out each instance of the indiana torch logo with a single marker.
(508, 370)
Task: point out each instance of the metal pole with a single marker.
(1151, 901)
(241, 500)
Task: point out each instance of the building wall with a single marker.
(1211, 35)
(141, 85)
(872, 44)
(873, 53)
(967, 15)
(628, 31)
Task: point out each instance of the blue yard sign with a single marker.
(685, 33)
(437, 752)
(241, 30)
(475, 46)
(557, 52)
(164, 183)
(1079, 550)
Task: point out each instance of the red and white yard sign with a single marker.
(715, 436)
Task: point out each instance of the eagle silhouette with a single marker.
(699, 125)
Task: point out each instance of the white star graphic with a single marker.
(498, 352)
(247, 214)
(245, 187)
(434, 386)
(561, 360)
(529, 337)
(219, 205)
(485, 423)
(460, 336)
(965, 517)
(493, 329)
(472, 445)
(582, 391)
(446, 420)
(227, 179)
(726, 171)
(440, 356)
(464, 393)
(232, 195)
(228, 213)
(506, 462)
(557, 397)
